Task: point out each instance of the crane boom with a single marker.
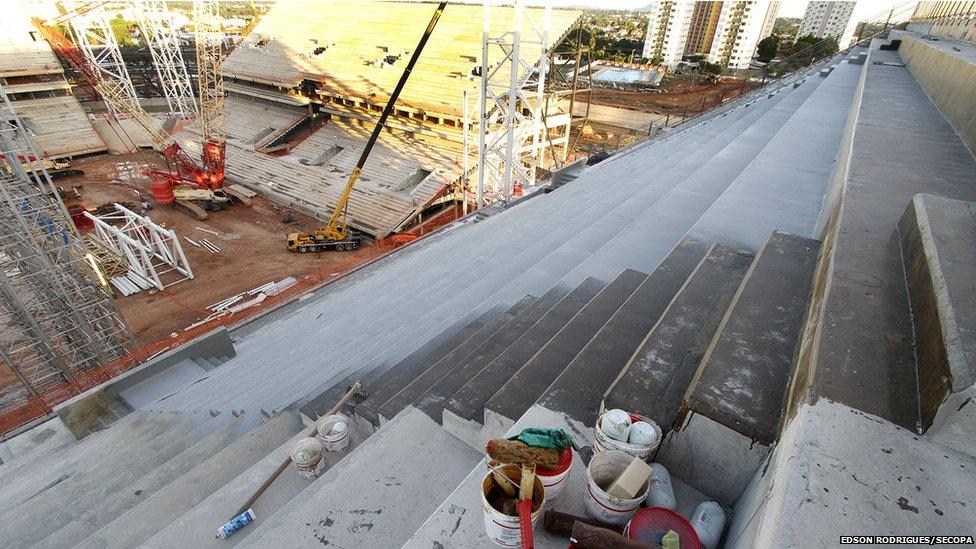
(334, 230)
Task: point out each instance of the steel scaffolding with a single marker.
(159, 29)
(513, 135)
(56, 321)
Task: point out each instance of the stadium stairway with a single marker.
(172, 471)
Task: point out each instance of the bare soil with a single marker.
(680, 96)
(252, 243)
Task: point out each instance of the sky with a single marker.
(788, 8)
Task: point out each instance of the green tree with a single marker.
(120, 28)
(767, 48)
(710, 68)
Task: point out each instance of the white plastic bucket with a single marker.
(602, 442)
(501, 528)
(604, 468)
(306, 454)
(337, 442)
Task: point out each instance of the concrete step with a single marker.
(532, 379)
(166, 382)
(196, 527)
(90, 483)
(23, 479)
(732, 409)
(415, 364)
(146, 519)
(48, 438)
(379, 496)
(433, 400)
(464, 413)
(89, 518)
(938, 242)
(419, 386)
(578, 390)
(554, 226)
(655, 379)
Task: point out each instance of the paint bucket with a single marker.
(501, 528)
(604, 468)
(333, 442)
(306, 454)
(602, 442)
(554, 479)
(649, 526)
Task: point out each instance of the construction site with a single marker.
(405, 274)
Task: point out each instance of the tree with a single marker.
(767, 48)
(710, 68)
(120, 28)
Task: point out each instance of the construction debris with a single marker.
(208, 231)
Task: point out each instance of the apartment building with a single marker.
(667, 31)
(701, 30)
(741, 25)
(829, 19)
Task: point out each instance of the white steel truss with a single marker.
(151, 250)
(159, 29)
(94, 36)
(512, 132)
(55, 320)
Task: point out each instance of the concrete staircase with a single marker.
(448, 332)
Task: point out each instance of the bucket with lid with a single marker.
(501, 518)
(307, 454)
(334, 432)
(642, 450)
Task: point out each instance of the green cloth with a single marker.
(671, 540)
(557, 439)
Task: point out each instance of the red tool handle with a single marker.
(525, 523)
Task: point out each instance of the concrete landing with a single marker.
(391, 484)
(519, 393)
(432, 402)
(578, 391)
(938, 239)
(654, 381)
(837, 471)
(419, 386)
(164, 383)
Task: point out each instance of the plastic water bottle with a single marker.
(660, 492)
(235, 524)
(708, 520)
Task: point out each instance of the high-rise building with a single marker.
(701, 31)
(741, 26)
(829, 19)
(667, 31)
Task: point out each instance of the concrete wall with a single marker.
(947, 78)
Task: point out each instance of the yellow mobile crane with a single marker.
(336, 234)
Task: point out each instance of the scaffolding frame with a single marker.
(512, 134)
(150, 250)
(56, 322)
(159, 29)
